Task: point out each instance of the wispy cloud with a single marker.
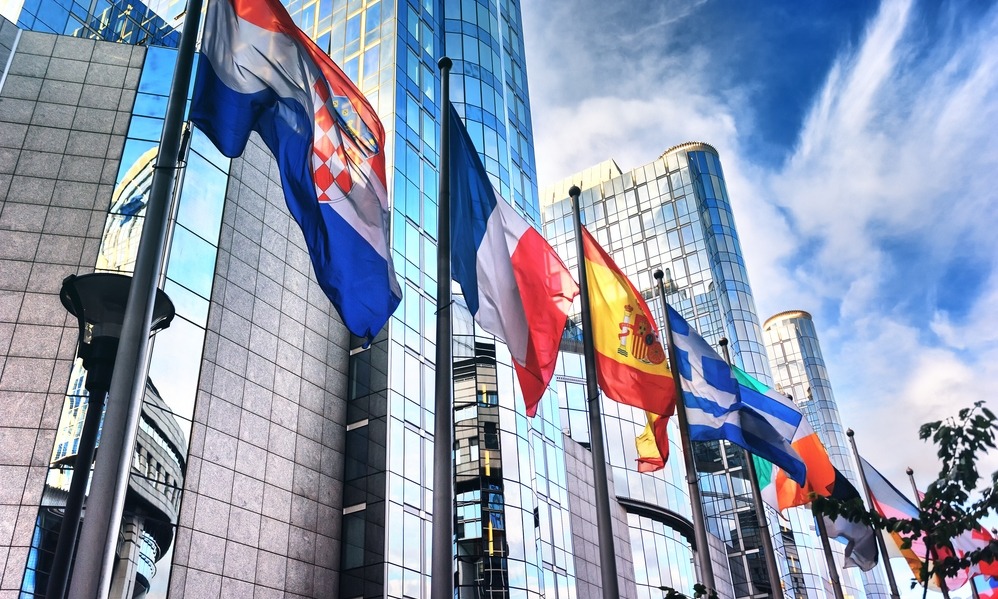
(880, 219)
(893, 179)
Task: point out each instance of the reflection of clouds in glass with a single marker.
(203, 146)
(171, 11)
(187, 303)
(142, 127)
(176, 365)
(201, 202)
(128, 202)
(157, 72)
(149, 105)
(192, 261)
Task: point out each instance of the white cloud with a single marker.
(11, 9)
(897, 152)
(893, 179)
(624, 129)
(897, 137)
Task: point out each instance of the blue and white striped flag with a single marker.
(715, 409)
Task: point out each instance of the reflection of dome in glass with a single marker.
(124, 221)
(131, 22)
(152, 505)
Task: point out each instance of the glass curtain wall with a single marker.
(512, 526)
(155, 23)
(799, 371)
(674, 213)
(159, 462)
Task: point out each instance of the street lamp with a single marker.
(97, 300)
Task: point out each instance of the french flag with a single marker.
(259, 72)
(515, 285)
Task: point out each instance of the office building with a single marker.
(307, 466)
(799, 371)
(675, 214)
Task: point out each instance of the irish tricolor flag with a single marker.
(779, 490)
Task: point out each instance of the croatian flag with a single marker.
(717, 407)
(515, 285)
(259, 72)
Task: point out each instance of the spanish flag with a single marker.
(630, 359)
(653, 443)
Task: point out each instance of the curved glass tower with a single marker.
(799, 371)
(511, 489)
(673, 213)
(362, 512)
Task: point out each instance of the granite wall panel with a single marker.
(52, 208)
(273, 379)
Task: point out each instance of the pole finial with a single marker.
(445, 63)
(723, 341)
(574, 191)
(909, 471)
(849, 432)
(659, 275)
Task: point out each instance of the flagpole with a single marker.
(869, 498)
(767, 540)
(925, 583)
(696, 503)
(442, 564)
(973, 588)
(833, 570)
(928, 547)
(97, 550)
(604, 522)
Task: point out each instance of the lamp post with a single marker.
(98, 302)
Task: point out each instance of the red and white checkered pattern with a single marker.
(331, 171)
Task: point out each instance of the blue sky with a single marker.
(859, 146)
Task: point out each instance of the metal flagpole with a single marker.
(696, 503)
(442, 565)
(604, 523)
(973, 589)
(925, 584)
(918, 501)
(769, 552)
(66, 545)
(833, 570)
(105, 504)
(869, 499)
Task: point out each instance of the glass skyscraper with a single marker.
(512, 487)
(799, 371)
(673, 214)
